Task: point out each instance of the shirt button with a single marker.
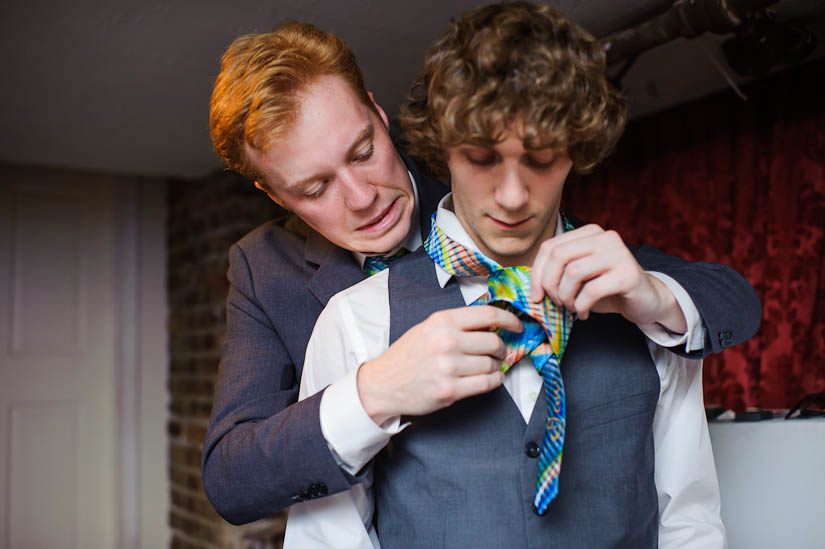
(532, 450)
(533, 395)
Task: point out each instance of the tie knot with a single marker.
(376, 263)
(504, 285)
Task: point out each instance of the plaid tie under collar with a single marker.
(376, 263)
(546, 330)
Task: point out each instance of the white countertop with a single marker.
(772, 479)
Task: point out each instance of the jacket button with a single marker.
(532, 450)
(725, 338)
(318, 490)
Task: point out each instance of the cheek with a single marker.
(465, 207)
(324, 217)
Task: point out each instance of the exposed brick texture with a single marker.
(205, 218)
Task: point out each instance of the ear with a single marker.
(260, 186)
(380, 110)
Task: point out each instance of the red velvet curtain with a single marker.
(742, 184)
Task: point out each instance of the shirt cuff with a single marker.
(352, 436)
(694, 338)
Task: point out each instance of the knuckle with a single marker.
(448, 343)
(583, 302)
(501, 348)
(556, 254)
(444, 366)
(589, 290)
(444, 391)
(492, 381)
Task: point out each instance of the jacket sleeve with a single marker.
(263, 450)
(730, 309)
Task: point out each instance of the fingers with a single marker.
(553, 257)
(482, 343)
(480, 318)
(475, 385)
(585, 269)
(585, 282)
(474, 365)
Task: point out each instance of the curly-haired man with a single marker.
(513, 97)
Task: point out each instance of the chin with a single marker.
(384, 245)
(511, 254)
(511, 247)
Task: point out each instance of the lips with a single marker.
(385, 219)
(509, 225)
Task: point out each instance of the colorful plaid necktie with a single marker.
(546, 329)
(376, 263)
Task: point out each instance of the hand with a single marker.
(590, 269)
(451, 355)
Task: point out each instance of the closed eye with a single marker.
(365, 155)
(318, 190)
(538, 163)
(481, 159)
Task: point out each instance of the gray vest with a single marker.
(465, 476)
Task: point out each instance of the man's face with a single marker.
(338, 170)
(507, 197)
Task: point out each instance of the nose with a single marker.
(359, 193)
(511, 193)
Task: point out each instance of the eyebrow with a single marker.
(365, 135)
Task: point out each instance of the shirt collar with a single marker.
(413, 240)
(449, 224)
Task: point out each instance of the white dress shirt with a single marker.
(355, 327)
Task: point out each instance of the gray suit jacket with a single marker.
(263, 450)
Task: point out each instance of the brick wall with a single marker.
(204, 218)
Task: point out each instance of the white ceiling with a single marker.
(123, 86)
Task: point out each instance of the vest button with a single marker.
(532, 450)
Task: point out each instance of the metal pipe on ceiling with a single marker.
(685, 18)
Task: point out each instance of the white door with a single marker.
(58, 349)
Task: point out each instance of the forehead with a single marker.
(328, 100)
(510, 139)
(330, 121)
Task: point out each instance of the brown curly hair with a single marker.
(503, 62)
(255, 99)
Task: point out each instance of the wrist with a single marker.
(669, 312)
(373, 398)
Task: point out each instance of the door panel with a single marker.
(58, 329)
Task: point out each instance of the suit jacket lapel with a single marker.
(337, 268)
